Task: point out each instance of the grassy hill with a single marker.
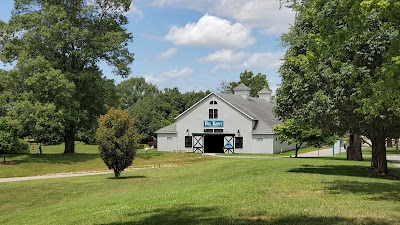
(216, 191)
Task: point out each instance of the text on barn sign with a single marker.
(213, 123)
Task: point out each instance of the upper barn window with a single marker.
(213, 102)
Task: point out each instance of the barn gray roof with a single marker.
(170, 129)
(241, 87)
(264, 91)
(257, 109)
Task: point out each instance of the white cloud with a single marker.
(223, 56)
(164, 76)
(212, 32)
(230, 60)
(266, 60)
(134, 11)
(266, 15)
(167, 54)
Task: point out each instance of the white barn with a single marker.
(225, 123)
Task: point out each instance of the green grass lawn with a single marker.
(389, 151)
(219, 191)
(86, 158)
(287, 153)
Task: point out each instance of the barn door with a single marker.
(198, 144)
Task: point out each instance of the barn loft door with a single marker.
(198, 144)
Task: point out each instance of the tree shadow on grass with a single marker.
(210, 215)
(375, 191)
(53, 158)
(344, 170)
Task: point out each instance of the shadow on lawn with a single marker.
(126, 177)
(343, 170)
(208, 215)
(53, 158)
(377, 191)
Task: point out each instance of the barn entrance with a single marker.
(214, 144)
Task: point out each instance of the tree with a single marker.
(71, 38)
(8, 136)
(256, 83)
(116, 138)
(340, 67)
(132, 90)
(297, 133)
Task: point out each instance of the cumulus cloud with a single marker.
(134, 12)
(172, 74)
(228, 60)
(223, 56)
(266, 15)
(167, 54)
(212, 32)
(266, 60)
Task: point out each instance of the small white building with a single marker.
(225, 123)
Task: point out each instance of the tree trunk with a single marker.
(69, 139)
(374, 160)
(116, 173)
(297, 150)
(397, 145)
(389, 143)
(381, 153)
(354, 150)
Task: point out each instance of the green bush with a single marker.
(21, 147)
(116, 138)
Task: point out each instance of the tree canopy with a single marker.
(255, 82)
(297, 133)
(340, 67)
(58, 45)
(132, 90)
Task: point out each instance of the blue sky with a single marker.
(194, 45)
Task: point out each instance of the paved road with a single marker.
(322, 152)
(395, 159)
(13, 179)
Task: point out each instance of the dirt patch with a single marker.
(8, 163)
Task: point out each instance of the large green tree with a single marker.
(132, 90)
(255, 82)
(340, 71)
(70, 38)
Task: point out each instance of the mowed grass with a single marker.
(220, 191)
(389, 151)
(287, 153)
(86, 159)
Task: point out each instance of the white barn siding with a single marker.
(261, 144)
(284, 146)
(166, 142)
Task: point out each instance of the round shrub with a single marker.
(116, 138)
(21, 147)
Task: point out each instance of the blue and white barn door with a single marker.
(228, 144)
